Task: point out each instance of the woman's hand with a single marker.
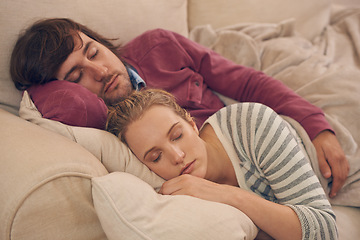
(197, 187)
(332, 160)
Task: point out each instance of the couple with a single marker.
(65, 50)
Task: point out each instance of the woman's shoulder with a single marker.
(244, 115)
(243, 108)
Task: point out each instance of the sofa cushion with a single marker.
(121, 19)
(311, 16)
(112, 153)
(69, 103)
(128, 208)
(46, 184)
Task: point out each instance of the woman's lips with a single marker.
(188, 168)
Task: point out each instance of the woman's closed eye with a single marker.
(177, 135)
(155, 157)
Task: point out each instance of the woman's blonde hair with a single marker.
(123, 113)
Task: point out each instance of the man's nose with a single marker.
(99, 71)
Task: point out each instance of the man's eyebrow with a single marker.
(168, 133)
(87, 45)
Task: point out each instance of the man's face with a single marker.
(97, 68)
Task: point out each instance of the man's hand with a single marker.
(332, 160)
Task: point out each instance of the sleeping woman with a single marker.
(244, 156)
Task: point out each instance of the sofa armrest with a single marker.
(46, 184)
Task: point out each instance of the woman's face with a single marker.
(167, 144)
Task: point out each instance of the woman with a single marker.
(243, 156)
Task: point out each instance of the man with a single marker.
(65, 50)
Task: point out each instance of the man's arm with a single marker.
(248, 85)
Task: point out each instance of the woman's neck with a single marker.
(220, 168)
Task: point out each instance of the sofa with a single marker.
(67, 182)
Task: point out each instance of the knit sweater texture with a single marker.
(269, 162)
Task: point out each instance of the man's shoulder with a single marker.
(153, 36)
(160, 32)
(155, 40)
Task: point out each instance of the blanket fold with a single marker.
(326, 72)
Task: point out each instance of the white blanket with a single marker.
(325, 72)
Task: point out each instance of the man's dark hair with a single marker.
(43, 47)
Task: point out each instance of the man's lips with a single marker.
(110, 84)
(188, 168)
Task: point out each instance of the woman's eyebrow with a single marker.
(168, 133)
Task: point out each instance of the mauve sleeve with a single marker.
(245, 84)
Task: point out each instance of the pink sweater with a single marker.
(191, 72)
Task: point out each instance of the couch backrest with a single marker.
(310, 16)
(122, 19)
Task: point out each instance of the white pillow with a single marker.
(128, 208)
(105, 146)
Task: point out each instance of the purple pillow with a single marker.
(69, 103)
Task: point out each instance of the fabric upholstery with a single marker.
(46, 188)
(69, 103)
(106, 147)
(311, 16)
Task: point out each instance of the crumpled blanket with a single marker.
(326, 72)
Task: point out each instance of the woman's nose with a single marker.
(178, 155)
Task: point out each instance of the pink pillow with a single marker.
(69, 103)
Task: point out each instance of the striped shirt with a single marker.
(268, 161)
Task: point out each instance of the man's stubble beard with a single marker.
(120, 92)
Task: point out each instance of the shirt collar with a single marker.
(137, 82)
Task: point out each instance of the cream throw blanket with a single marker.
(326, 72)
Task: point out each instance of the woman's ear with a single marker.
(193, 124)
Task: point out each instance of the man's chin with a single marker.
(111, 100)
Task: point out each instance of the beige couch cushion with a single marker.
(107, 148)
(122, 19)
(311, 16)
(129, 208)
(46, 184)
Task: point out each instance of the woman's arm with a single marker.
(279, 221)
(274, 159)
(274, 168)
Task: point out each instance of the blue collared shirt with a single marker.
(137, 82)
